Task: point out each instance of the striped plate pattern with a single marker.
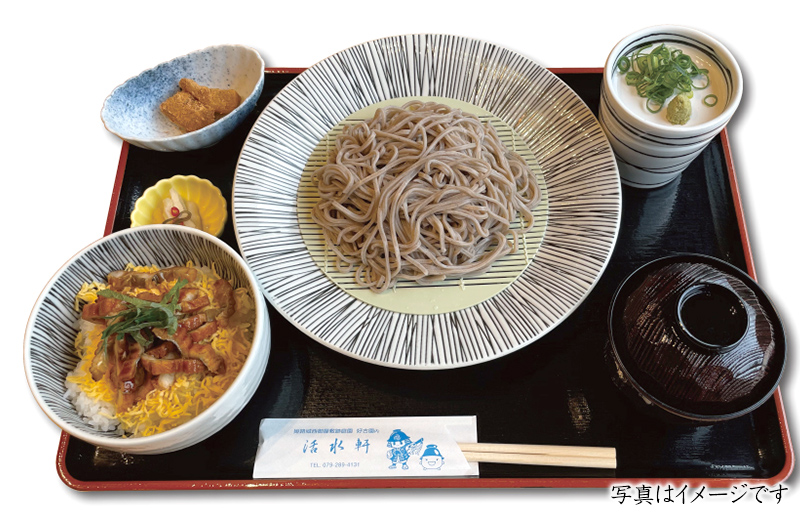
(577, 163)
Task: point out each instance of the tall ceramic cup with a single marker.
(650, 150)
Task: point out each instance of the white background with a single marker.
(61, 60)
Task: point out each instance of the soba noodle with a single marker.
(421, 192)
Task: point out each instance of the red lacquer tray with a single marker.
(555, 392)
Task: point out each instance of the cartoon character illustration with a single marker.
(431, 458)
(401, 448)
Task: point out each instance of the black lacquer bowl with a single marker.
(695, 339)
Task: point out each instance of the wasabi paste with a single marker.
(679, 110)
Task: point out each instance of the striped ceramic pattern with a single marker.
(577, 162)
(649, 158)
(53, 326)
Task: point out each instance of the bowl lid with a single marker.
(698, 337)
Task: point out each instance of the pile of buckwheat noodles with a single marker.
(421, 192)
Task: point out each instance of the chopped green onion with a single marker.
(655, 109)
(703, 72)
(657, 75)
(684, 61)
(710, 100)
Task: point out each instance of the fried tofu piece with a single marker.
(187, 112)
(222, 101)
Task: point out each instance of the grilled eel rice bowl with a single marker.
(157, 347)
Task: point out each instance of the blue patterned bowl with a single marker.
(132, 112)
(49, 350)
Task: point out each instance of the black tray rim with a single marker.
(443, 483)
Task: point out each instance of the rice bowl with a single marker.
(55, 323)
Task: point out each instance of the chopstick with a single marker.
(541, 455)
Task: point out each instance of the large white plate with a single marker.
(576, 160)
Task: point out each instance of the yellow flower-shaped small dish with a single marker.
(213, 208)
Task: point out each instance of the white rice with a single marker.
(98, 414)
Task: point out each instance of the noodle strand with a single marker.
(421, 192)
